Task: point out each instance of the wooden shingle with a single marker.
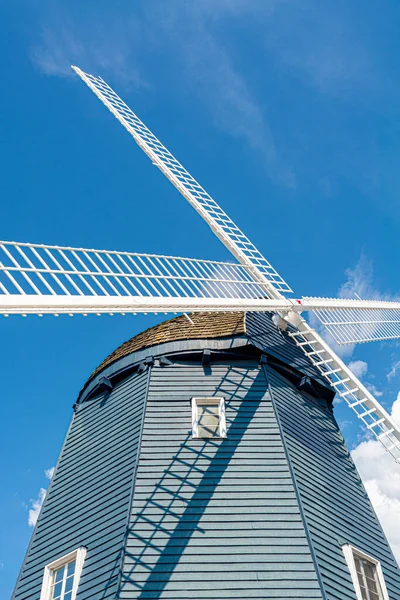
(205, 325)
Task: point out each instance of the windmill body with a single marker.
(203, 458)
(261, 513)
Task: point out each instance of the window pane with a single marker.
(67, 596)
(372, 585)
(208, 419)
(368, 579)
(71, 569)
(363, 593)
(68, 583)
(369, 569)
(58, 575)
(57, 590)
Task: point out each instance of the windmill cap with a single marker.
(201, 326)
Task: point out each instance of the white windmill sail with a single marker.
(224, 228)
(349, 387)
(38, 279)
(358, 321)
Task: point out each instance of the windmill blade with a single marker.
(357, 321)
(38, 279)
(226, 230)
(377, 421)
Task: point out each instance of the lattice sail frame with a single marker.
(40, 279)
(372, 414)
(350, 324)
(222, 225)
(35, 277)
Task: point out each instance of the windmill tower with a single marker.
(203, 459)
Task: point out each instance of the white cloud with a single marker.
(187, 33)
(233, 107)
(213, 72)
(344, 424)
(381, 477)
(358, 367)
(359, 281)
(393, 371)
(373, 389)
(396, 410)
(36, 506)
(108, 46)
(49, 472)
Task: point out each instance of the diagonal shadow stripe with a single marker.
(209, 479)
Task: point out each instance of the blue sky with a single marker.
(287, 112)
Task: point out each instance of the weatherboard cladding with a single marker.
(336, 506)
(89, 497)
(261, 514)
(215, 518)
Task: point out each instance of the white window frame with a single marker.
(349, 552)
(222, 416)
(78, 556)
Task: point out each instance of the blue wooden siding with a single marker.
(266, 336)
(218, 518)
(336, 506)
(89, 498)
(209, 519)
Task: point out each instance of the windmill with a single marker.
(41, 280)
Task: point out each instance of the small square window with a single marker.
(61, 577)
(208, 418)
(366, 573)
